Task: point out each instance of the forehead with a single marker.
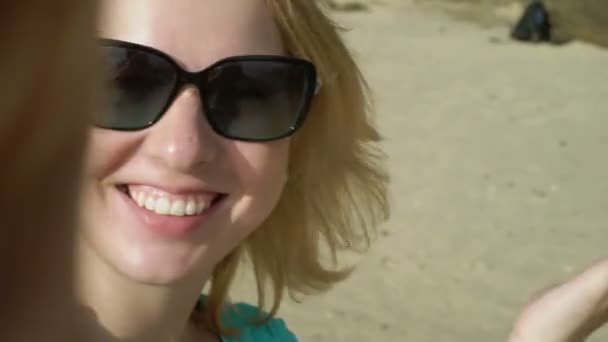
(195, 32)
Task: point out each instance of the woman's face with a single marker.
(180, 162)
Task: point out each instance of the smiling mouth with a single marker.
(170, 205)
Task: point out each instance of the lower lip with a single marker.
(172, 226)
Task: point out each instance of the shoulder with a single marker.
(240, 316)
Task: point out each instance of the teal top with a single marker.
(240, 316)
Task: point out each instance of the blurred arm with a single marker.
(569, 312)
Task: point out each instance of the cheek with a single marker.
(257, 163)
(261, 170)
(107, 150)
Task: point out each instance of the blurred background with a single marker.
(499, 157)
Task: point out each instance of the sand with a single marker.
(499, 157)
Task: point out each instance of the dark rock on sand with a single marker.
(585, 20)
(534, 25)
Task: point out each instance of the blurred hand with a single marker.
(569, 312)
(48, 89)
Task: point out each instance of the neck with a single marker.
(129, 311)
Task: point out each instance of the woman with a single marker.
(42, 133)
(230, 129)
(193, 164)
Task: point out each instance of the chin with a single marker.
(128, 240)
(160, 265)
(156, 249)
(144, 260)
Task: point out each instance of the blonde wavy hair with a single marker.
(337, 189)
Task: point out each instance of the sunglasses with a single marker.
(248, 98)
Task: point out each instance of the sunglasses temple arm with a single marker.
(318, 86)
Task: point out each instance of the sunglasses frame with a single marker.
(199, 80)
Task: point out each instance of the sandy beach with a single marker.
(499, 158)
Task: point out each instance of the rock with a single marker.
(585, 20)
(534, 25)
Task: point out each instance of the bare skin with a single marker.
(569, 312)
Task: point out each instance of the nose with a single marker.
(182, 139)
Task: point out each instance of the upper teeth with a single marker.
(166, 206)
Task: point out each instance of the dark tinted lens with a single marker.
(139, 84)
(258, 100)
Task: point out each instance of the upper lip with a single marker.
(176, 188)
